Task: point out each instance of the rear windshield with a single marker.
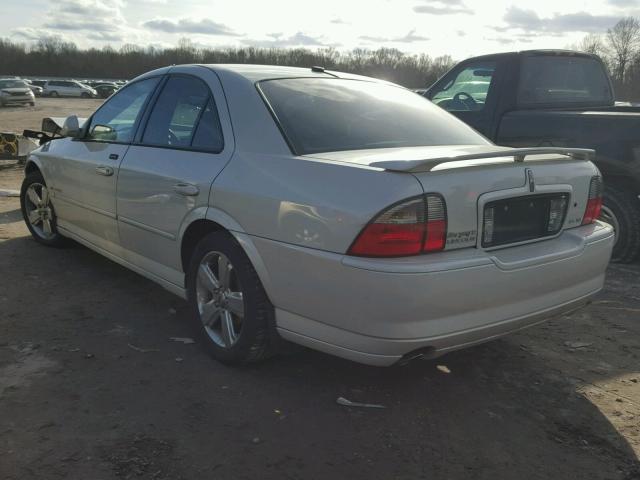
(563, 79)
(329, 115)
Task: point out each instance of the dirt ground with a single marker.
(15, 119)
(92, 387)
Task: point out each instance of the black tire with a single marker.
(55, 239)
(258, 339)
(622, 207)
(85, 95)
(53, 94)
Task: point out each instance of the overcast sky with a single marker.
(458, 27)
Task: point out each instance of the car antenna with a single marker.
(319, 69)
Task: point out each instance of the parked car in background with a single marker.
(337, 211)
(15, 92)
(37, 90)
(105, 90)
(68, 88)
(555, 98)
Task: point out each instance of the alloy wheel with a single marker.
(220, 299)
(39, 212)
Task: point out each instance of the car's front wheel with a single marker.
(38, 212)
(232, 313)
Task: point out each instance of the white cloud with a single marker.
(458, 27)
(203, 26)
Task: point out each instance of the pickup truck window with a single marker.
(467, 90)
(561, 79)
(331, 115)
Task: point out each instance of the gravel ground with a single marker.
(15, 119)
(92, 387)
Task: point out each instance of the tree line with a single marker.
(619, 47)
(57, 58)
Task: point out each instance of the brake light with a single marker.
(436, 234)
(594, 204)
(409, 228)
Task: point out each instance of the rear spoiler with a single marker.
(519, 155)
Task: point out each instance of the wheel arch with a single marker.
(216, 220)
(32, 165)
(618, 173)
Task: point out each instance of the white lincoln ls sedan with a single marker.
(339, 212)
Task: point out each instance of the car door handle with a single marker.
(186, 189)
(113, 156)
(103, 170)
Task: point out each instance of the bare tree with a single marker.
(624, 41)
(592, 43)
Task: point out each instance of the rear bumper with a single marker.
(376, 311)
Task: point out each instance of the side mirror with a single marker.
(70, 127)
(104, 132)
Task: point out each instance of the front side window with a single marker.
(467, 90)
(328, 115)
(115, 121)
(184, 116)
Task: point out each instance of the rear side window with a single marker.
(546, 79)
(328, 115)
(184, 116)
(208, 134)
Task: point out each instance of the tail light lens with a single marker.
(409, 228)
(436, 234)
(594, 204)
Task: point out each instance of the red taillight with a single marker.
(436, 235)
(408, 228)
(594, 204)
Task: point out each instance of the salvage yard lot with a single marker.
(92, 387)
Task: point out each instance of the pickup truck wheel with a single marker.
(232, 313)
(38, 212)
(621, 209)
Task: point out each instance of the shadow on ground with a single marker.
(105, 393)
(11, 216)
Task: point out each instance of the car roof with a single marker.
(531, 53)
(251, 73)
(256, 73)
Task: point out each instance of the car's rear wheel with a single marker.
(38, 212)
(621, 209)
(232, 313)
(53, 94)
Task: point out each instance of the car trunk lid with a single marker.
(495, 196)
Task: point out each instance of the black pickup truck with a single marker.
(555, 98)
